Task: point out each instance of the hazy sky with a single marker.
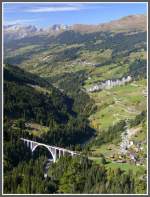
(46, 14)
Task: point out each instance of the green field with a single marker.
(123, 166)
(120, 102)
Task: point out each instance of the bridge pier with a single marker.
(31, 146)
(59, 153)
(28, 144)
(55, 155)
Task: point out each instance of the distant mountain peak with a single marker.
(17, 31)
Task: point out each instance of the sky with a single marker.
(44, 15)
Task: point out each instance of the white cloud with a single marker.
(53, 9)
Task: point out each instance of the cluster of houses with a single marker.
(85, 62)
(130, 151)
(109, 84)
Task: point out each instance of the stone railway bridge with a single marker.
(56, 152)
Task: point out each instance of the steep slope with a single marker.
(25, 88)
(34, 109)
(35, 100)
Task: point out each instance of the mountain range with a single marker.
(132, 22)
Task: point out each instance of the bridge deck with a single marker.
(55, 147)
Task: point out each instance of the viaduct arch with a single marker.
(56, 152)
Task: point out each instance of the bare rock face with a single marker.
(59, 27)
(18, 31)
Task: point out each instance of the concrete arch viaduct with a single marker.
(56, 152)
